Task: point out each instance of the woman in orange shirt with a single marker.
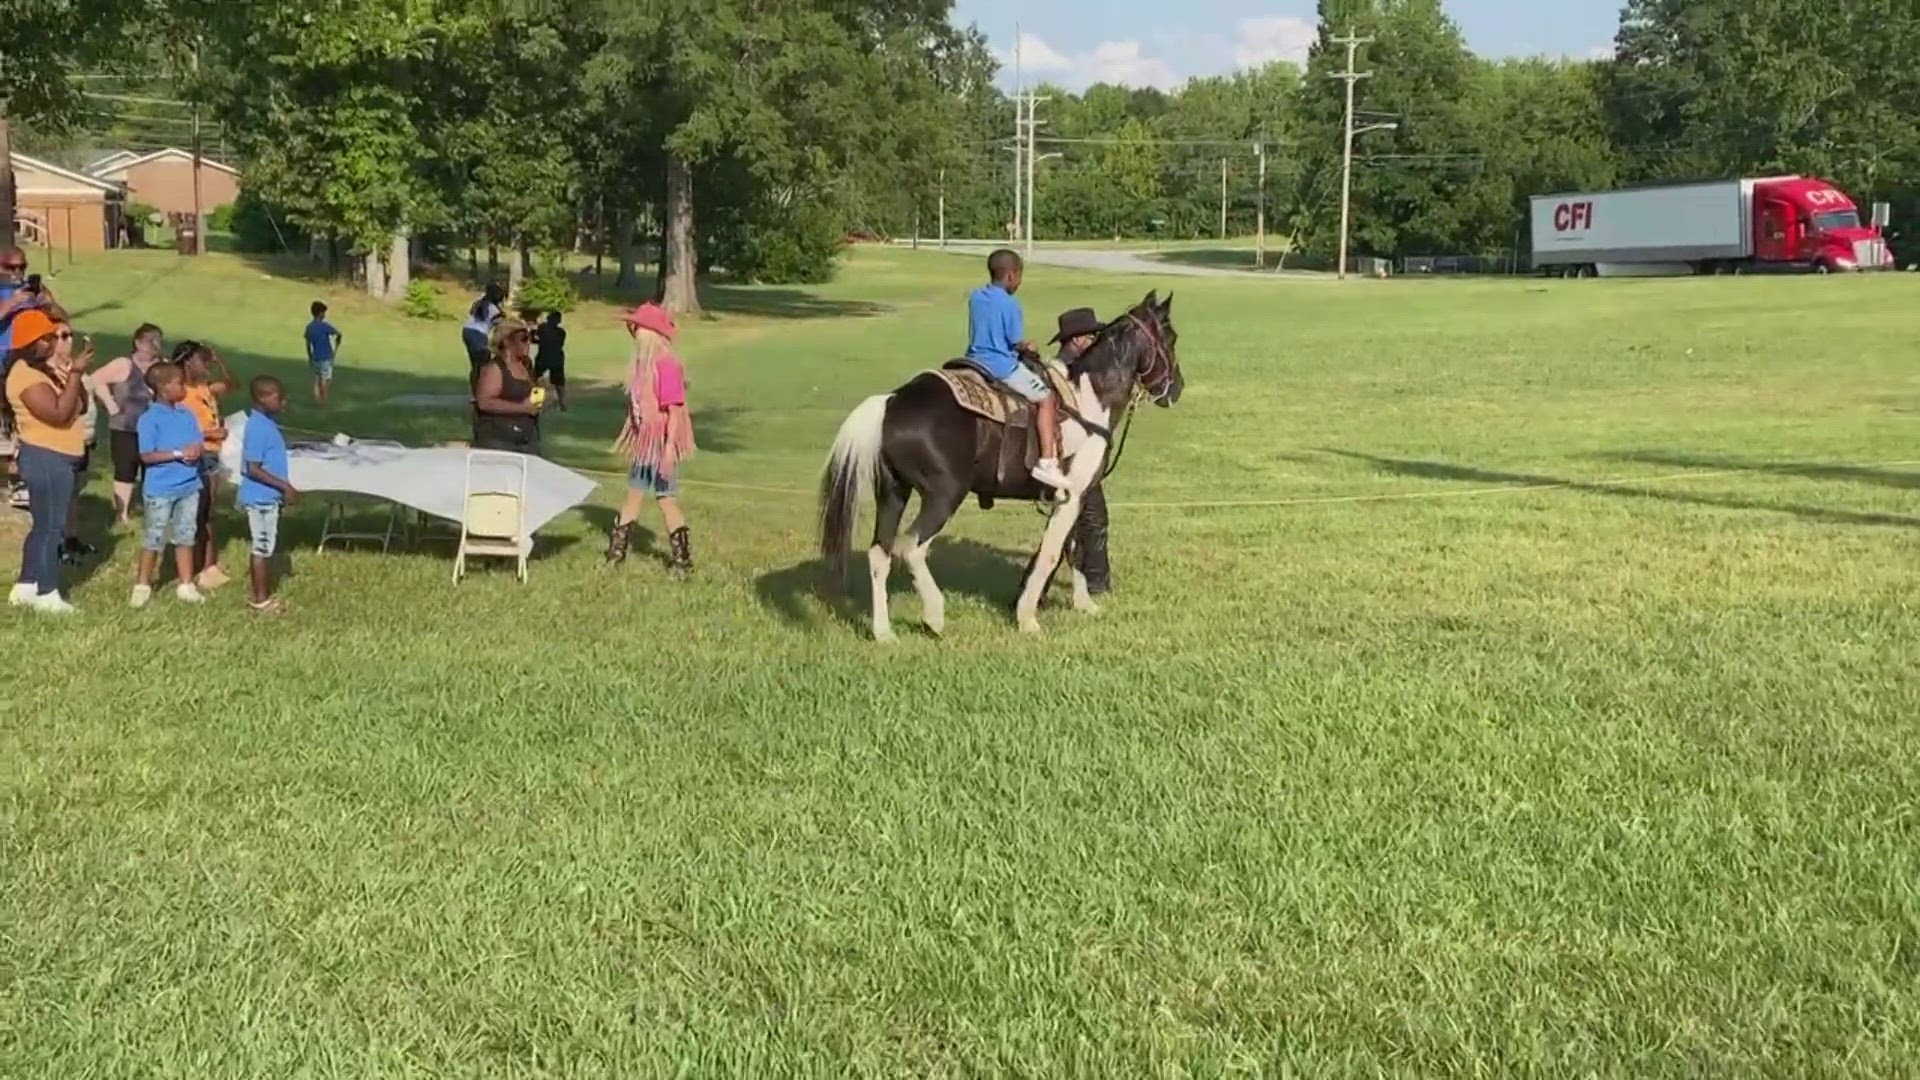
(47, 405)
(207, 379)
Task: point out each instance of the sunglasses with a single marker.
(14, 267)
(62, 335)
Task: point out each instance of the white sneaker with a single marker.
(141, 594)
(188, 594)
(52, 604)
(1048, 473)
(23, 595)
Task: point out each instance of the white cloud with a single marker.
(1600, 52)
(1124, 62)
(1259, 42)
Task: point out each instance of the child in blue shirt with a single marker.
(264, 487)
(323, 344)
(170, 447)
(996, 329)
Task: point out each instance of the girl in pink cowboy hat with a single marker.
(657, 437)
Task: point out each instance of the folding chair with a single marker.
(494, 521)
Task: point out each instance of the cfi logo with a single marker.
(1572, 217)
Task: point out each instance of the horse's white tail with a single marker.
(853, 470)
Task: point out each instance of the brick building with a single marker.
(61, 209)
(164, 180)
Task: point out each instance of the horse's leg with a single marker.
(891, 501)
(936, 509)
(1083, 472)
(1082, 596)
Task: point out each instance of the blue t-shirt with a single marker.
(263, 445)
(320, 336)
(6, 321)
(995, 324)
(169, 427)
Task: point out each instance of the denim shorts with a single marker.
(322, 369)
(264, 523)
(171, 520)
(1028, 385)
(649, 478)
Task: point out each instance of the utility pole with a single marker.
(1260, 210)
(943, 208)
(1223, 198)
(1033, 159)
(1351, 77)
(199, 211)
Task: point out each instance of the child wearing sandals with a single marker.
(657, 437)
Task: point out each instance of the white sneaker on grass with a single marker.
(141, 594)
(188, 594)
(23, 595)
(52, 604)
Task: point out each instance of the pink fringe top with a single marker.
(658, 431)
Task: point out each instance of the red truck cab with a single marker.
(1812, 224)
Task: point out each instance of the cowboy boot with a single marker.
(618, 541)
(680, 542)
(1090, 541)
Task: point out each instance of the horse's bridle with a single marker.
(1156, 374)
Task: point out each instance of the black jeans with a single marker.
(1090, 541)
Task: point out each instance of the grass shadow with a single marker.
(1806, 470)
(1436, 470)
(798, 594)
(1215, 258)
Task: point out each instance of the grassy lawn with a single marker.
(1532, 692)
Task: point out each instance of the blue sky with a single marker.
(1163, 42)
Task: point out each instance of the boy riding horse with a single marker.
(996, 328)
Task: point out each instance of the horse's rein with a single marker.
(1157, 358)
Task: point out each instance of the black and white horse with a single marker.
(918, 439)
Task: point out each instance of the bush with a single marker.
(795, 244)
(221, 220)
(422, 301)
(252, 223)
(143, 213)
(548, 291)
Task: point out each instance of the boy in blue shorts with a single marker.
(170, 448)
(264, 487)
(996, 328)
(323, 344)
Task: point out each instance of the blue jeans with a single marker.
(263, 523)
(50, 477)
(171, 519)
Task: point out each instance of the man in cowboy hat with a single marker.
(1078, 330)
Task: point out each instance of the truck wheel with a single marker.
(1822, 268)
(1585, 272)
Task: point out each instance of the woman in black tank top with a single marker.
(506, 413)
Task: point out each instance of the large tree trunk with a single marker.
(7, 208)
(516, 273)
(400, 266)
(680, 262)
(376, 270)
(623, 229)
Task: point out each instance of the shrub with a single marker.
(221, 220)
(255, 229)
(549, 291)
(422, 301)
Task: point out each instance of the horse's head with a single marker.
(1138, 349)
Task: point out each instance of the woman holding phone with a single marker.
(47, 406)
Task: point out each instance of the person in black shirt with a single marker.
(1079, 329)
(552, 361)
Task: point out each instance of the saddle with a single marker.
(1009, 438)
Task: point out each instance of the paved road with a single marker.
(1111, 261)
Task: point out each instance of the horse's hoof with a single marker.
(885, 637)
(1030, 626)
(937, 627)
(1087, 607)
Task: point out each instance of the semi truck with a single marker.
(1773, 223)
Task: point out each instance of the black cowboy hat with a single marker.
(1080, 320)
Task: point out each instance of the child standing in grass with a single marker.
(264, 487)
(207, 378)
(658, 436)
(170, 443)
(323, 345)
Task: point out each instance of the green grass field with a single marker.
(1505, 678)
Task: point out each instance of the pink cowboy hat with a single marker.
(651, 316)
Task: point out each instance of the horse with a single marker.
(919, 439)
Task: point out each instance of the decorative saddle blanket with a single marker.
(980, 395)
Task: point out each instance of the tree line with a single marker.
(757, 137)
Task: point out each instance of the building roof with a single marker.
(118, 167)
(110, 161)
(21, 161)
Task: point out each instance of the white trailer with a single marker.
(1645, 231)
